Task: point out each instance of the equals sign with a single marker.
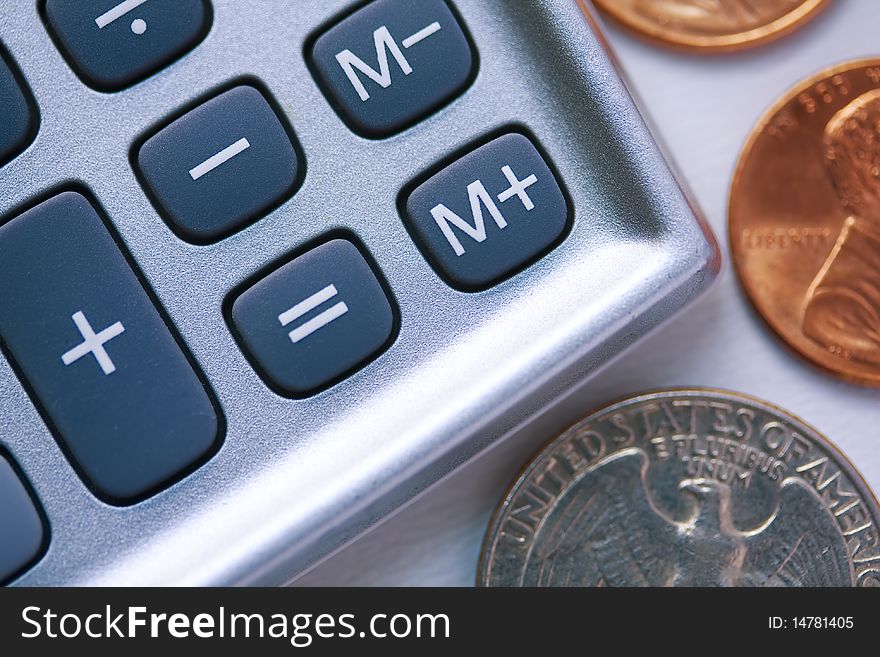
(304, 330)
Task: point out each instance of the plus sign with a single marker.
(517, 188)
(93, 343)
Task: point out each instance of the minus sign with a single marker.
(422, 34)
(216, 160)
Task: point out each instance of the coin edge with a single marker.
(731, 43)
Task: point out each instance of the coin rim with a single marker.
(854, 474)
(757, 131)
(756, 36)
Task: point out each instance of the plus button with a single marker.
(93, 343)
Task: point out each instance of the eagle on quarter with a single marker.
(606, 531)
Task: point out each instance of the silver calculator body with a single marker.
(295, 477)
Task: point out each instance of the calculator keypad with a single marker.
(113, 383)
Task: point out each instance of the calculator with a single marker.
(268, 270)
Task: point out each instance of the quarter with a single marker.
(686, 488)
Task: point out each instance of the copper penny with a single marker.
(712, 24)
(804, 219)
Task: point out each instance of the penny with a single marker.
(686, 488)
(712, 24)
(804, 220)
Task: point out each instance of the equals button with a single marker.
(341, 318)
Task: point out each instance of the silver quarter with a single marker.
(686, 488)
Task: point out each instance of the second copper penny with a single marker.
(712, 24)
(804, 219)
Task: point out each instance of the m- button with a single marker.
(489, 213)
(391, 62)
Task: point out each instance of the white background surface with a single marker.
(703, 108)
